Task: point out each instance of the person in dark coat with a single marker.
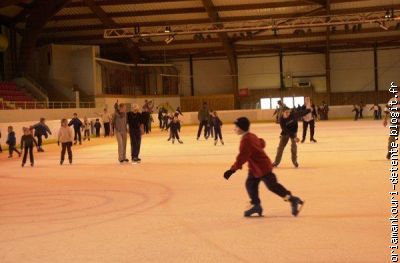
(203, 117)
(27, 143)
(136, 122)
(1, 149)
(97, 127)
(41, 129)
(174, 128)
(260, 169)
(356, 111)
(217, 124)
(289, 126)
(12, 142)
(77, 124)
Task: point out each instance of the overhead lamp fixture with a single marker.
(167, 29)
(169, 39)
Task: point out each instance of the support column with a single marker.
(191, 75)
(376, 68)
(282, 82)
(327, 56)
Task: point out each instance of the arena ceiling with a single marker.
(83, 22)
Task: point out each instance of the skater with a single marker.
(41, 129)
(361, 109)
(27, 142)
(325, 110)
(356, 111)
(210, 126)
(121, 132)
(278, 111)
(161, 117)
(97, 127)
(147, 109)
(260, 169)
(289, 126)
(375, 108)
(174, 128)
(217, 124)
(106, 118)
(178, 111)
(12, 142)
(136, 122)
(86, 129)
(65, 138)
(379, 112)
(308, 119)
(203, 116)
(77, 124)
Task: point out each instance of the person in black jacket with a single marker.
(308, 119)
(97, 127)
(1, 149)
(41, 129)
(27, 143)
(217, 123)
(12, 142)
(174, 127)
(289, 126)
(357, 111)
(136, 123)
(77, 124)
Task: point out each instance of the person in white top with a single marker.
(65, 137)
(106, 118)
(308, 120)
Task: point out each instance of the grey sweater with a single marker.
(119, 120)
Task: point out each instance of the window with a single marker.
(298, 101)
(288, 101)
(274, 103)
(265, 103)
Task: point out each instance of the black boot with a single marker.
(388, 156)
(313, 140)
(256, 209)
(296, 204)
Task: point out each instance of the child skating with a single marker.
(27, 143)
(174, 128)
(41, 130)
(77, 124)
(260, 169)
(65, 138)
(86, 129)
(217, 123)
(289, 126)
(12, 142)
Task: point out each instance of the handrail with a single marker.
(13, 105)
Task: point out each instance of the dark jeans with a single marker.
(312, 128)
(11, 149)
(282, 144)
(78, 135)
(201, 125)
(97, 132)
(26, 150)
(161, 122)
(146, 117)
(270, 181)
(175, 135)
(106, 129)
(39, 141)
(217, 133)
(66, 146)
(136, 140)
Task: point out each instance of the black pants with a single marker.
(175, 134)
(312, 129)
(376, 116)
(217, 133)
(66, 146)
(146, 117)
(26, 150)
(136, 140)
(201, 125)
(86, 134)
(361, 114)
(11, 149)
(106, 129)
(1, 149)
(356, 115)
(160, 120)
(98, 132)
(39, 141)
(78, 135)
(210, 130)
(270, 181)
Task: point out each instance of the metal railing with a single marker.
(29, 105)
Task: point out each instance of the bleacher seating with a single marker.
(10, 92)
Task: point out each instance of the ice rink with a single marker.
(177, 207)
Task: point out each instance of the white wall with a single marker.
(183, 67)
(352, 71)
(211, 77)
(259, 72)
(84, 69)
(388, 67)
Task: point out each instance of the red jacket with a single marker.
(252, 151)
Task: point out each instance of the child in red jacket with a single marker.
(260, 169)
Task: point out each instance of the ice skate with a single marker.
(256, 209)
(181, 142)
(302, 141)
(222, 142)
(296, 204)
(296, 164)
(313, 140)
